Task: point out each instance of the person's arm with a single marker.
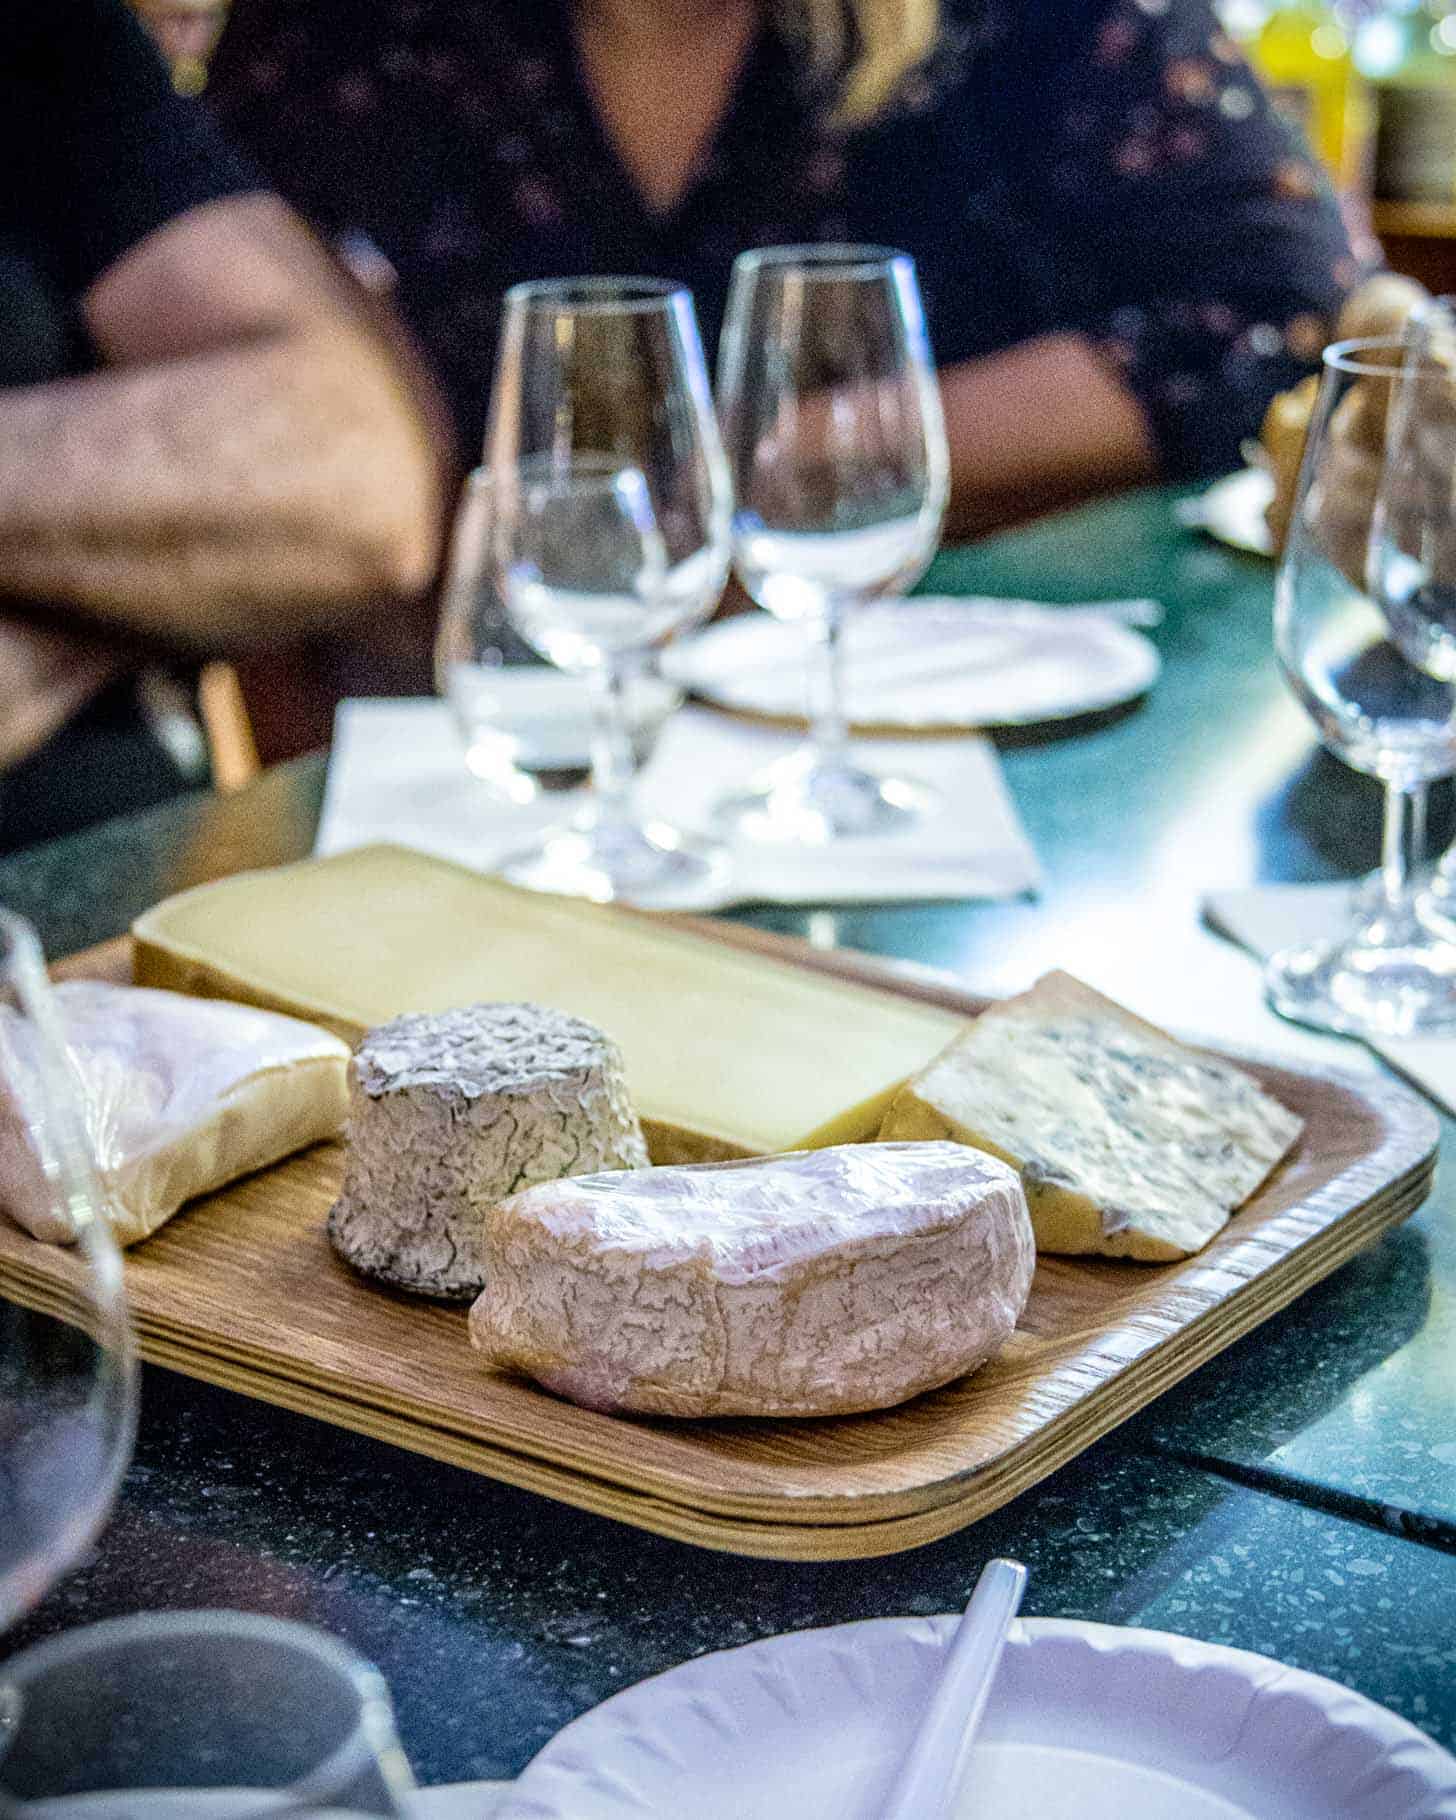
(255, 462)
(1042, 425)
(1193, 261)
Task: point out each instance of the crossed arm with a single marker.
(260, 458)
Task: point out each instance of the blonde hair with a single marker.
(864, 48)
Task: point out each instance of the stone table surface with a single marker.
(1296, 1496)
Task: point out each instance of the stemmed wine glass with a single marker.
(1413, 529)
(67, 1368)
(832, 421)
(610, 535)
(1347, 638)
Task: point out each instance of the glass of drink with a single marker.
(67, 1368)
(206, 1715)
(610, 534)
(1358, 633)
(832, 422)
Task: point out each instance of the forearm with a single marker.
(261, 455)
(212, 500)
(1039, 426)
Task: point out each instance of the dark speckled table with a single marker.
(1297, 1496)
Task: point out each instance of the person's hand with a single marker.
(1380, 307)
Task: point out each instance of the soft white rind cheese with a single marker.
(816, 1283)
(1128, 1143)
(180, 1095)
(451, 1112)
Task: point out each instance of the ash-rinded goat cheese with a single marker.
(816, 1283)
(1128, 1143)
(451, 1112)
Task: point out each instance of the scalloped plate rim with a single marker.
(551, 1788)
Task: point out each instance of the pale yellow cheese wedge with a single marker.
(1129, 1144)
(728, 1053)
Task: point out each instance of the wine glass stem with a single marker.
(1399, 852)
(829, 728)
(614, 762)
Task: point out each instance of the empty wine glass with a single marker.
(1345, 638)
(1413, 533)
(472, 646)
(832, 422)
(199, 1715)
(610, 514)
(67, 1370)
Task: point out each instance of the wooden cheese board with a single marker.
(242, 1290)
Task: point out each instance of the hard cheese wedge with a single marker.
(728, 1053)
(1128, 1143)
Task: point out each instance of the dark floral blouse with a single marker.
(1103, 166)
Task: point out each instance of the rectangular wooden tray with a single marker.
(242, 1290)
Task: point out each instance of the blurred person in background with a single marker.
(1124, 254)
(208, 440)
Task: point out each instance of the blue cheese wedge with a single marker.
(1129, 1144)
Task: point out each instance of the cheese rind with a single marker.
(179, 1098)
(451, 1112)
(1129, 1144)
(818, 1283)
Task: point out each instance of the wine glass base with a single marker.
(651, 866)
(1360, 988)
(809, 804)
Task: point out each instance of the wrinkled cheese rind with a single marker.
(180, 1097)
(1128, 1143)
(818, 1283)
(450, 1112)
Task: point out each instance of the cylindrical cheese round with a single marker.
(449, 1113)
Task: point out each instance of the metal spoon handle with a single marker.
(933, 1768)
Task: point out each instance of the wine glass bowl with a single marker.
(1348, 659)
(610, 535)
(67, 1368)
(834, 434)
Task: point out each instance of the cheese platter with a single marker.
(244, 1289)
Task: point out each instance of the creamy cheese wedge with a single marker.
(180, 1096)
(1128, 1143)
(816, 1283)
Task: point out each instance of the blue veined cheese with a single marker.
(816, 1283)
(1128, 1143)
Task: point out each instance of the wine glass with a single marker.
(832, 422)
(199, 1715)
(610, 535)
(67, 1368)
(1413, 530)
(472, 646)
(1344, 639)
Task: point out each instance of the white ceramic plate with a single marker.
(929, 665)
(1232, 510)
(1086, 1722)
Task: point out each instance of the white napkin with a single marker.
(1265, 918)
(397, 773)
(458, 1801)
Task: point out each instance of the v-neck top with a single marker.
(1109, 167)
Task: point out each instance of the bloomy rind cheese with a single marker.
(1129, 1144)
(452, 1112)
(819, 1283)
